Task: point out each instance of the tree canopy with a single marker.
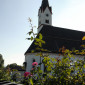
(15, 66)
(1, 61)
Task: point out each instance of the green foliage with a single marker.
(14, 66)
(39, 42)
(58, 71)
(1, 61)
(5, 75)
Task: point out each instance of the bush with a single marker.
(58, 72)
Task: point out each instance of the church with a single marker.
(55, 38)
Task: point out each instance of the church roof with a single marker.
(57, 37)
(44, 5)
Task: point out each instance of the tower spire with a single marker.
(45, 4)
(44, 14)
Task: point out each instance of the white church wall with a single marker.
(49, 17)
(43, 16)
(29, 59)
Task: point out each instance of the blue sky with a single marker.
(14, 23)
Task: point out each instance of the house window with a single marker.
(47, 15)
(47, 21)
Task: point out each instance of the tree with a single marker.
(15, 66)
(4, 74)
(1, 61)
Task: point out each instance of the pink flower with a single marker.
(34, 63)
(27, 74)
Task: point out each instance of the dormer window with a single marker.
(47, 21)
(47, 15)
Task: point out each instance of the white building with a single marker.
(55, 38)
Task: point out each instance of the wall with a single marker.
(29, 59)
(30, 56)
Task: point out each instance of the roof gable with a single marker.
(57, 37)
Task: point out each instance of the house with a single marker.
(55, 38)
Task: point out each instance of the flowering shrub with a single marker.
(34, 63)
(26, 74)
(57, 71)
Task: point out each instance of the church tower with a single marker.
(44, 14)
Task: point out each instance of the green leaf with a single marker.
(43, 41)
(37, 40)
(32, 51)
(84, 66)
(40, 36)
(40, 44)
(31, 81)
(36, 43)
(40, 71)
(37, 48)
(31, 38)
